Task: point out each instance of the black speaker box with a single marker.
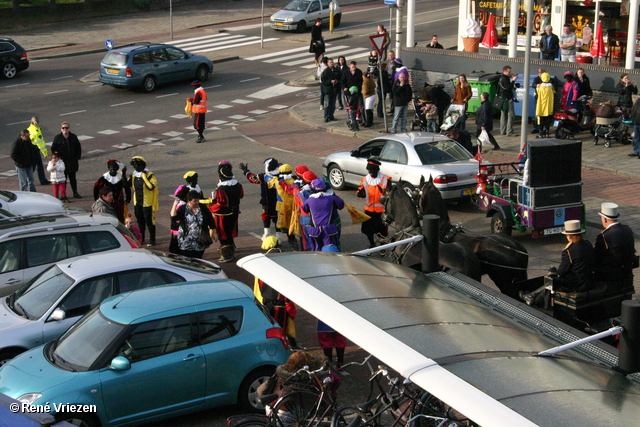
(554, 162)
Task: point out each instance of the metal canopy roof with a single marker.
(467, 344)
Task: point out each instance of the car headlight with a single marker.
(289, 19)
(29, 398)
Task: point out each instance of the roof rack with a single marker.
(47, 227)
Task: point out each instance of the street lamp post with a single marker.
(527, 71)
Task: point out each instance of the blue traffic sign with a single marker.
(109, 43)
(390, 1)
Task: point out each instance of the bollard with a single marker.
(629, 359)
(430, 252)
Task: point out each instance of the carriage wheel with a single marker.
(625, 139)
(595, 140)
(499, 224)
(607, 143)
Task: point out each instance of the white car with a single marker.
(63, 293)
(407, 157)
(27, 203)
(302, 14)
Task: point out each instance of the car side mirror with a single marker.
(354, 153)
(58, 314)
(120, 363)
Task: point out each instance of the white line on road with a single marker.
(236, 45)
(245, 136)
(56, 91)
(284, 52)
(99, 84)
(17, 123)
(288, 72)
(19, 84)
(169, 94)
(122, 103)
(211, 87)
(217, 42)
(183, 41)
(31, 61)
(256, 235)
(297, 55)
(73, 112)
(248, 80)
(60, 78)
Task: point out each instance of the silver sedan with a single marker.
(407, 157)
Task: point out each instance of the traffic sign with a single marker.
(108, 44)
(378, 42)
(390, 1)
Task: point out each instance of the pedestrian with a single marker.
(180, 198)
(372, 62)
(103, 203)
(116, 180)
(191, 177)
(67, 145)
(545, 94)
(534, 85)
(57, 178)
(568, 44)
(402, 94)
(584, 85)
(506, 87)
(199, 109)
(430, 112)
(461, 96)
(484, 119)
(569, 92)
(268, 195)
(549, 44)
(615, 248)
(330, 82)
(285, 203)
(353, 77)
(132, 226)
(195, 226)
(353, 109)
(433, 44)
(317, 46)
(372, 187)
(301, 192)
(369, 93)
(323, 66)
(341, 67)
(145, 191)
(626, 88)
(400, 69)
(225, 208)
(386, 42)
(37, 139)
(323, 205)
(635, 117)
(462, 137)
(24, 154)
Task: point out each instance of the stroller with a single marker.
(421, 120)
(453, 118)
(350, 123)
(612, 124)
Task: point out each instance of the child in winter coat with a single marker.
(430, 111)
(58, 181)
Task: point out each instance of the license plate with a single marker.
(555, 230)
(556, 123)
(469, 192)
(278, 24)
(112, 71)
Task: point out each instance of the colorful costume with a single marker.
(323, 207)
(268, 196)
(372, 187)
(145, 197)
(226, 208)
(116, 180)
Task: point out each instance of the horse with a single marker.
(401, 210)
(502, 257)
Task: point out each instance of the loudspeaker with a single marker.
(554, 162)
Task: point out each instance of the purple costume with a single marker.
(323, 208)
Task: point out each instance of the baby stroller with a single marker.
(612, 124)
(419, 121)
(453, 118)
(350, 124)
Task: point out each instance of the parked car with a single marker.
(407, 157)
(60, 295)
(11, 418)
(146, 65)
(302, 14)
(30, 244)
(25, 203)
(154, 353)
(13, 58)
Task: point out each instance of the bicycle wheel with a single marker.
(297, 409)
(429, 405)
(345, 416)
(250, 421)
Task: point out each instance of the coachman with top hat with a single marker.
(614, 249)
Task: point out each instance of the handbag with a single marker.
(204, 238)
(498, 102)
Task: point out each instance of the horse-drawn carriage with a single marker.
(540, 196)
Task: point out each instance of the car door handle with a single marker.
(192, 357)
(12, 281)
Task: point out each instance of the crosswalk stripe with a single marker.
(270, 55)
(297, 55)
(238, 44)
(210, 36)
(215, 42)
(337, 53)
(362, 55)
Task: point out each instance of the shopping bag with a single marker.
(484, 139)
(357, 216)
(187, 108)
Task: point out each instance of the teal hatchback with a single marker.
(151, 354)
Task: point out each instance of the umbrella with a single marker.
(490, 36)
(597, 48)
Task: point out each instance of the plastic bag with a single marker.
(187, 108)
(484, 139)
(357, 216)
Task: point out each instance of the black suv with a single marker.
(13, 58)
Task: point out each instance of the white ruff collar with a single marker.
(139, 174)
(228, 183)
(113, 179)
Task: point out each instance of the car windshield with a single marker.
(115, 59)
(7, 196)
(297, 5)
(445, 151)
(34, 300)
(79, 347)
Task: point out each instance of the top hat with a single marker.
(573, 227)
(609, 210)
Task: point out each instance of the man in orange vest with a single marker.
(372, 187)
(199, 109)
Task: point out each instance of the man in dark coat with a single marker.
(614, 249)
(330, 79)
(506, 88)
(549, 44)
(67, 145)
(25, 156)
(353, 77)
(576, 263)
(484, 119)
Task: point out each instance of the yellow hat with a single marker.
(189, 174)
(285, 168)
(269, 242)
(138, 158)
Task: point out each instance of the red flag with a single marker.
(597, 48)
(490, 39)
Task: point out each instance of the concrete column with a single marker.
(400, 6)
(630, 62)
(411, 11)
(513, 28)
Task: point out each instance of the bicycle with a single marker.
(426, 421)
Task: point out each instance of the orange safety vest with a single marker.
(374, 188)
(200, 107)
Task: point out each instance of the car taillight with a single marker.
(133, 243)
(445, 179)
(24, 56)
(129, 73)
(278, 333)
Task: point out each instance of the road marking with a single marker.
(108, 132)
(73, 112)
(256, 235)
(156, 121)
(179, 116)
(122, 146)
(287, 72)
(247, 137)
(169, 94)
(229, 39)
(238, 117)
(258, 112)
(19, 84)
(242, 101)
(278, 106)
(56, 91)
(95, 152)
(250, 80)
(182, 42)
(211, 87)
(148, 139)
(173, 133)
(84, 137)
(60, 78)
(333, 53)
(31, 61)
(218, 122)
(9, 173)
(122, 103)
(236, 45)
(274, 91)
(223, 106)
(249, 120)
(132, 127)
(297, 55)
(270, 55)
(17, 123)
(97, 84)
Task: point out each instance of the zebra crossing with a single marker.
(297, 57)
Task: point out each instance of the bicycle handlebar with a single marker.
(366, 359)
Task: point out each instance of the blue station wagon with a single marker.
(147, 65)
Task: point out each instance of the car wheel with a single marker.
(336, 19)
(9, 70)
(7, 355)
(248, 389)
(499, 224)
(202, 73)
(149, 84)
(409, 189)
(302, 27)
(79, 420)
(336, 177)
